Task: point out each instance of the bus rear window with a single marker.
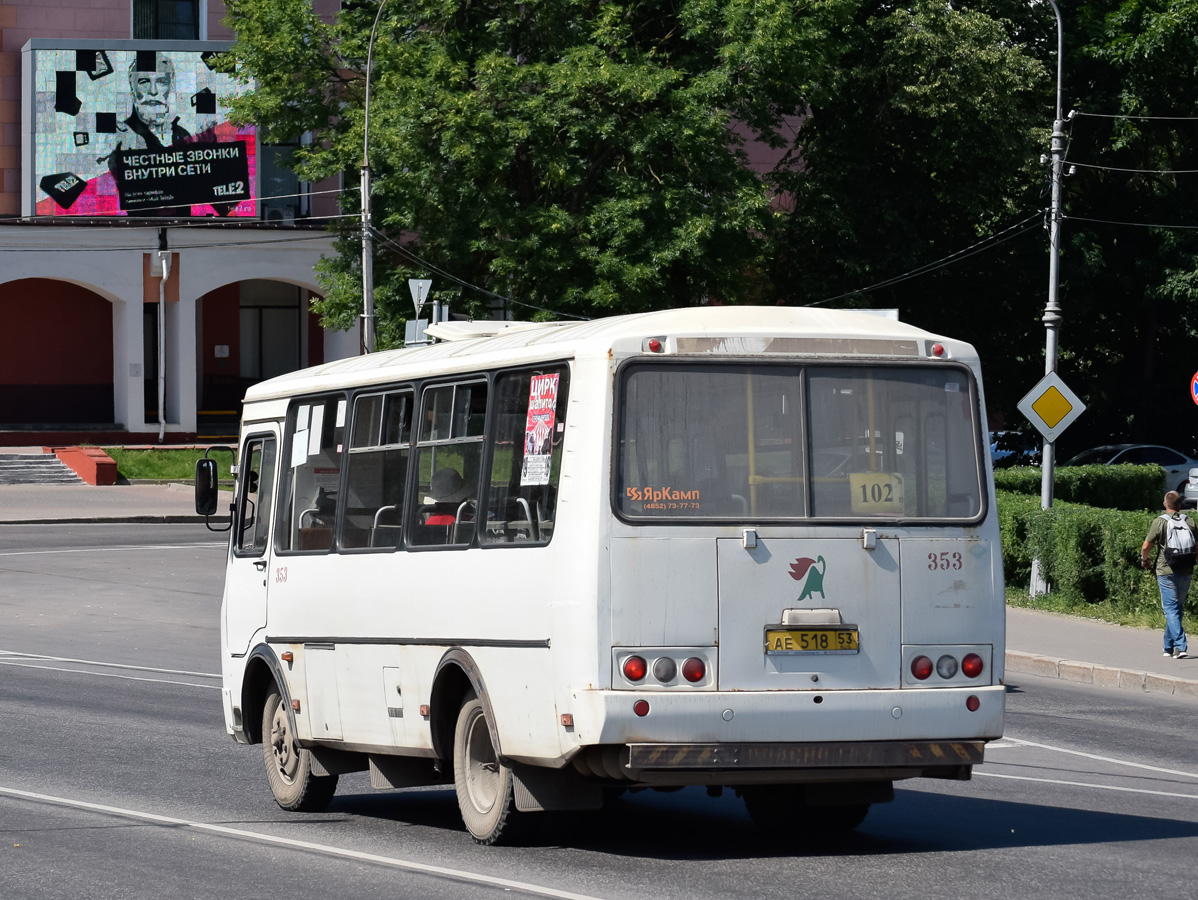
(791, 442)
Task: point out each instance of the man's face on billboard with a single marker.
(151, 96)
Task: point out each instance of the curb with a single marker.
(1103, 676)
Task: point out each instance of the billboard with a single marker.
(134, 129)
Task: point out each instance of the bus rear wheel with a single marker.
(484, 785)
(288, 765)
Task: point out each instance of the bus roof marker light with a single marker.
(938, 349)
(635, 668)
(641, 708)
(655, 345)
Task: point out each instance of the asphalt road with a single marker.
(117, 780)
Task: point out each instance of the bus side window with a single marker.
(526, 456)
(315, 430)
(449, 451)
(377, 470)
(253, 502)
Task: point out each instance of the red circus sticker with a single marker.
(538, 429)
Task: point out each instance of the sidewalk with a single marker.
(31, 504)
(1038, 643)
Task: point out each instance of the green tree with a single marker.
(1130, 262)
(922, 141)
(579, 157)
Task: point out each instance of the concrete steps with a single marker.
(35, 468)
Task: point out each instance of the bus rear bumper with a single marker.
(827, 755)
(831, 762)
(788, 717)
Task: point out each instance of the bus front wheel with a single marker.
(288, 765)
(484, 785)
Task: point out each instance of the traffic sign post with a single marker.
(1051, 407)
(419, 288)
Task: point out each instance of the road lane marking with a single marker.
(1101, 787)
(393, 862)
(1109, 759)
(15, 654)
(17, 665)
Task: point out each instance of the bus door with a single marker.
(250, 571)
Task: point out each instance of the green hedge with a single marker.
(1086, 553)
(1113, 487)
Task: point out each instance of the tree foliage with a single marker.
(588, 158)
(577, 157)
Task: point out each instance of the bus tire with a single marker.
(288, 765)
(484, 785)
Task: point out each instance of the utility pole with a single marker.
(367, 238)
(1052, 310)
(164, 260)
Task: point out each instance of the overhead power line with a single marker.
(981, 246)
(1134, 224)
(1078, 112)
(1136, 171)
(429, 267)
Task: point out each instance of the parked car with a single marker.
(1191, 491)
(1177, 466)
(1014, 448)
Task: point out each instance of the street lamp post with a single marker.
(367, 238)
(1052, 310)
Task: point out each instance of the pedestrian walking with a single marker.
(1173, 537)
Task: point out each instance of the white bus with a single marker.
(748, 548)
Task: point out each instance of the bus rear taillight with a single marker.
(946, 666)
(694, 669)
(664, 669)
(635, 668)
(921, 667)
(972, 665)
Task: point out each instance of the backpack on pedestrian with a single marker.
(1179, 543)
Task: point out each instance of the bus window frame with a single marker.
(411, 506)
(619, 401)
(563, 365)
(412, 388)
(345, 395)
(242, 487)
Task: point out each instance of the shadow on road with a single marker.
(688, 824)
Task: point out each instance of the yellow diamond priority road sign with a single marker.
(1051, 406)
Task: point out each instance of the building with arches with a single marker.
(116, 156)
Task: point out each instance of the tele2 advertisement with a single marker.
(137, 132)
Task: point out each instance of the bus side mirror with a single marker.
(206, 487)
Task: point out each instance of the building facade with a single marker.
(155, 258)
